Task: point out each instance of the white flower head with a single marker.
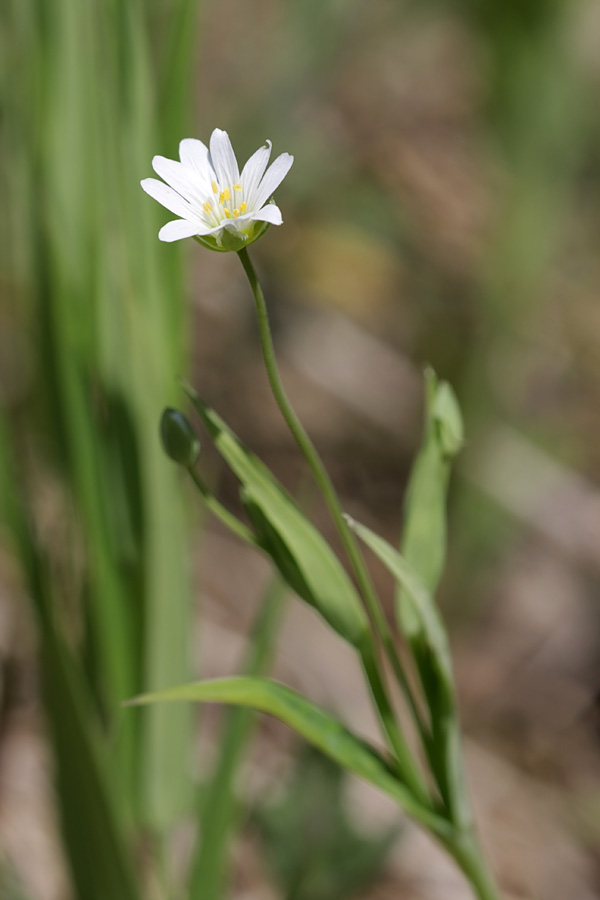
(221, 208)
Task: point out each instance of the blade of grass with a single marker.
(98, 853)
(146, 321)
(66, 252)
(178, 71)
(221, 810)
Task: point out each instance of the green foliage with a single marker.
(311, 843)
(432, 655)
(222, 809)
(424, 549)
(312, 723)
(102, 325)
(424, 535)
(297, 549)
(92, 811)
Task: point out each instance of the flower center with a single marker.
(228, 203)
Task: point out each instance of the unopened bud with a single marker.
(179, 438)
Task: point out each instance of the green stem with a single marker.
(411, 772)
(408, 770)
(218, 510)
(467, 853)
(303, 440)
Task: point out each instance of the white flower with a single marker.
(218, 205)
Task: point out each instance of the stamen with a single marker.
(214, 187)
(243, 207)
(227, 214)
(207, 206)
(238, 187)
(225, 195)
(236, 213)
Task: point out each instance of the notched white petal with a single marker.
(190, 184)
(167, 197)
(194, 155)
(223, 158)
(206, 184)
(273, 178)
(254, 170)
(269, 213)
(177, 230)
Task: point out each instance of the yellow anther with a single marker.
(214, 187)
(225, 195)
(227, 214)
(207, 206)
(238, 187)
(243, 207)
(236, 213)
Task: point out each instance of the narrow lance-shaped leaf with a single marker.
(296, 547)
(424, 547)
(424, 536)
(423, 609)
(435, 666)
(313, 724)
(142, 347)
(97, 850)
(222, 809)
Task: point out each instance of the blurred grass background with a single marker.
(443, 209)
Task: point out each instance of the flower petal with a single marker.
(254, 170)
(167, 197)
(185, 181)
(194, 155)
(273, 178)
(177, 230)
(269, 213)
(223, 158)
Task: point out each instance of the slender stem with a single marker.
(363, 578)
(303, 440)
(467, 853)
(218, 510)
(407, 767)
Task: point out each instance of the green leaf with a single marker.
(221, 810)
(424, 548)
(177, 79)
(312, 723)
(448, 418)
(299, 551)
(423, 607)
(95, 838)
(432, 655)
(424, 538)
(97, 850)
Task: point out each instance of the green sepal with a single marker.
(233, 241)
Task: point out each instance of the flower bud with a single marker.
(179, 439)
(449, 420)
